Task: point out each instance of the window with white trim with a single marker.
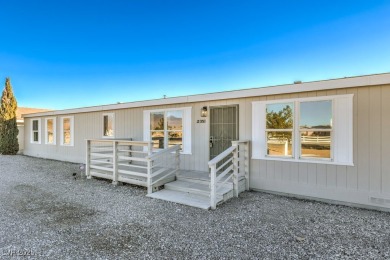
(50, 130)
(67, 137)
(108, 125)
(168, 127)
(317, 129)
(36, 131)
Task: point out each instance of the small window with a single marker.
(108, 125)
(35, 131)
(67, 131)
(50, 133)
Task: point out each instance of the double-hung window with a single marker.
(317, 129)
(279, 129)
(168, 127)
(108, 125)
(36, 131)
(67, 138)
(50, 130)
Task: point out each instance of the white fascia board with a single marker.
(350, 82)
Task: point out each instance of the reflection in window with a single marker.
(316, 114)
(35, 131)
(279, 129)
(279, 143)
(175, 128)
(166, 128)
(108, 125)
(50, 131)
(315, 129)
(66, 131)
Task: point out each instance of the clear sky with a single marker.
(64, 54)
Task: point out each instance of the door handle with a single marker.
(211, 141)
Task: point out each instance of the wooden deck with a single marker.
(135, 162)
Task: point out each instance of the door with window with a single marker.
(223, 128)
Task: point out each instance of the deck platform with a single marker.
(192, 188)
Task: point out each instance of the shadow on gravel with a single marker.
(32, 202)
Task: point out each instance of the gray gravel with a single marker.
(46, 212)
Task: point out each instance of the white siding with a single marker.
(370, 177)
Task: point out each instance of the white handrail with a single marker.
(221, 156)
(164, 151)
(232, 171)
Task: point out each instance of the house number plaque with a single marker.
(201, 121)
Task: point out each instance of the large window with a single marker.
(108, 125)
(169, 127)
(307, 129)
(36, 131)
(50, 130)
(67, 137)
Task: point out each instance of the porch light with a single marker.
(203, 112)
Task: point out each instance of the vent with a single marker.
(380, 201)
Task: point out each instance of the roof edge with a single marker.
(347, 82)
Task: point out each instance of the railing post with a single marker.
(213, 187)
(115, 163)
(247, 165)
(88, 160)
(235, 168)
(149, 177)
(150, 148)
(177, 162)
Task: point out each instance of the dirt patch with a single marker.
(32, 202)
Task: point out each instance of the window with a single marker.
(35, 131)
(108, 125)
(67, 131)
(307, 129)
(279, 129)
(50, 131)
(169, 127)
(315, 128)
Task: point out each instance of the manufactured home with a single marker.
(326, 140)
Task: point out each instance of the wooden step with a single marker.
(196, 187)
(185, 198)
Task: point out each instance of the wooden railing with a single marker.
(229, 167)
(162, 165)
(131, 161)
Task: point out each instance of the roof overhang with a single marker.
(348, 82)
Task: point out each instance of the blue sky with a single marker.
(64, 54)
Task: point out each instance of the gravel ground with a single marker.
(46, 212)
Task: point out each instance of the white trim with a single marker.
(71, 130)
(54, 130)
(113, 125)
(341, 134)
(358, 81)
(258, 140)
(187, 130)
(187, 126)
(32, 131)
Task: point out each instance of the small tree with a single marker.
(8, 128)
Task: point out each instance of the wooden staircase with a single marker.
(193, 189)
